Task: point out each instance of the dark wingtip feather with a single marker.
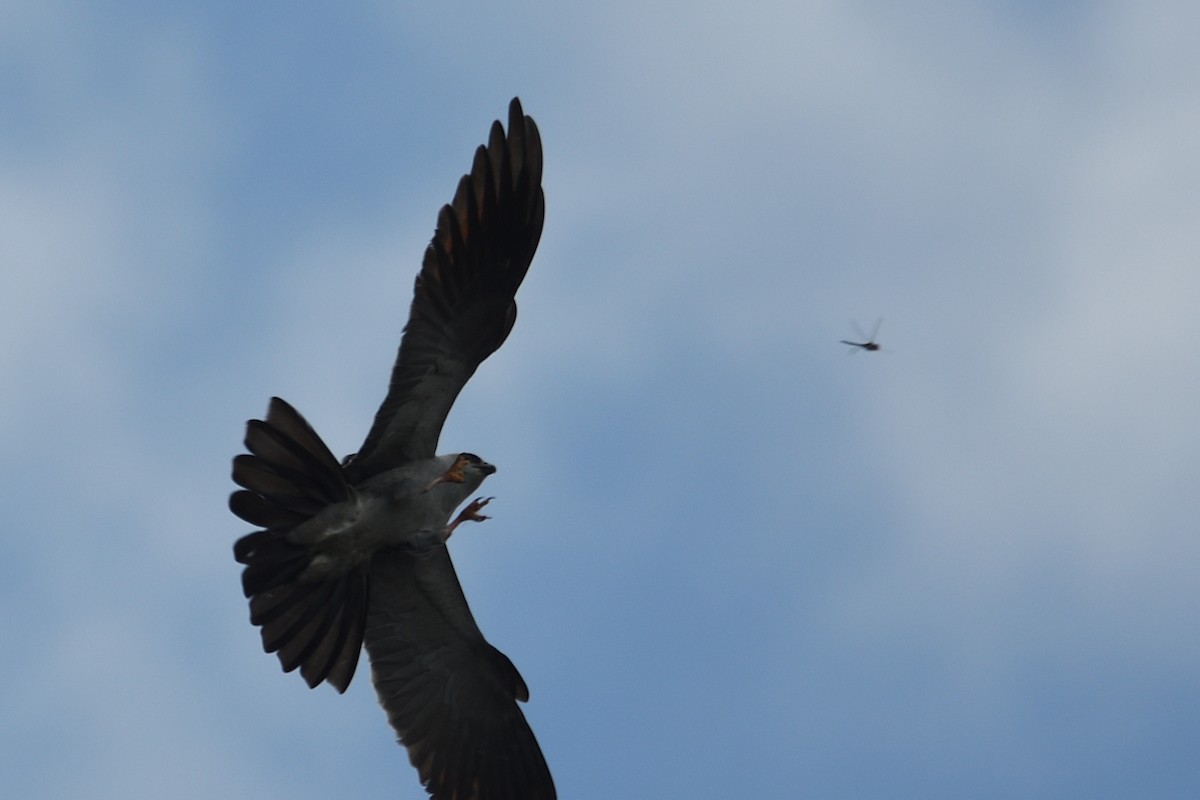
(463, 301)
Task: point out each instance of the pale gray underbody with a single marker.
(397, 508)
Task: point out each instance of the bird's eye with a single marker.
(471, 457)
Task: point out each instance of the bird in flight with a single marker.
(354, 553)
(870, 345)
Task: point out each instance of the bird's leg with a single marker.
(452, 475)
(468, 514)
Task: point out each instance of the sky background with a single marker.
(729, 559)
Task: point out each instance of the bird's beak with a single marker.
(487, 468)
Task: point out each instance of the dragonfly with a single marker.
(870, 345)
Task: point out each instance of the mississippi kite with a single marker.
(354, 553)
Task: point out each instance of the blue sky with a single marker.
(729, 559)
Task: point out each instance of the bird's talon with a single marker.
(469, 514)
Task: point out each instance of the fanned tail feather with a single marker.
(288, 477)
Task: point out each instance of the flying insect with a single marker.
(870, 345)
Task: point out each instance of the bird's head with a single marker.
(465, 469)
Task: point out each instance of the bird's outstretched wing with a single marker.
(463, 306)
(450, 696)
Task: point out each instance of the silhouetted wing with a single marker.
(463, 306)
(451, 696)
